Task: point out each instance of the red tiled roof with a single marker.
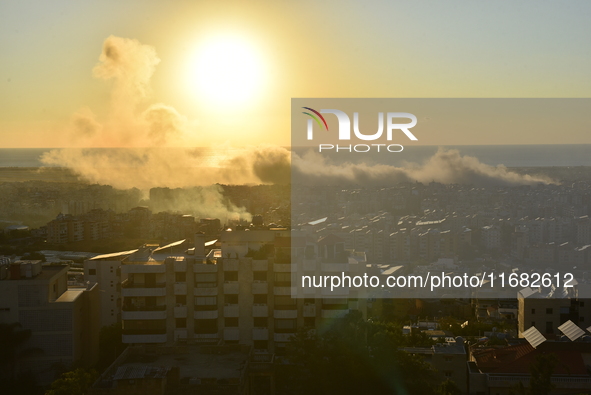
(517, 359)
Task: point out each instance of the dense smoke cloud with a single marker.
(130, 64)
(446, 166)
(157, 128)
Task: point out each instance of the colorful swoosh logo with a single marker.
(316, 118)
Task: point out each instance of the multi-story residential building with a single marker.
(63, 321)
(547, 310)
(105, 271)
(244, 296)
(491, 237)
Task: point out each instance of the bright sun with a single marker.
(227, 70)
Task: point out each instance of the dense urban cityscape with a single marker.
(124, 297)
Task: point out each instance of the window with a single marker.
(231, 299)
(447, 374)
(261, 344)
(549, 311)
(549, 327)
(230, 276)
(180, 277)
(231, 322)
(181, 322)
(582, 304)
(92, 272)
(284, 301)
(582, 319)
(260, 322)
(260, 299)
(181, 300)
(310, 322)
(259, 276)
(533, 323)
(533, 311)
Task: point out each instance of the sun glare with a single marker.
(226, 70)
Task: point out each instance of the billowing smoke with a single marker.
(207, 201)
(149, 136)
(145, 168)
(446, 166)
(130, 64)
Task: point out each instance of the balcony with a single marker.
(260, 334)
(205, 314)
(143, 268)
(260, 287)
(180, 334)
(204, 268)
(144, 313)
(231, 334)
(285, 313)
(230, 265)
(232, 310)
(231, 287)
(155, 338)
(142, 289)
(283, 337)
(309, 310)
(180, 312)
(260, 310)
(282, 267)
(205, 291)
(282, 290)
(260, 265)
(180, 288)
(206, 337)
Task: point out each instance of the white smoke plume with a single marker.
(446, 166)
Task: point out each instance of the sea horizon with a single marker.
(510, 155)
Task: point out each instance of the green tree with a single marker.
(448, 387)
(352, 357)
(540, 381)
(75, 382)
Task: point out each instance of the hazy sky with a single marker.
(300, 48)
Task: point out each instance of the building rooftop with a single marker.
(209, 363)
(573, 357)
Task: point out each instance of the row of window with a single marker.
(281, 325)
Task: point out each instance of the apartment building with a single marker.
(546, 310)
(105, 271)
(241, 294)
(63, 320)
